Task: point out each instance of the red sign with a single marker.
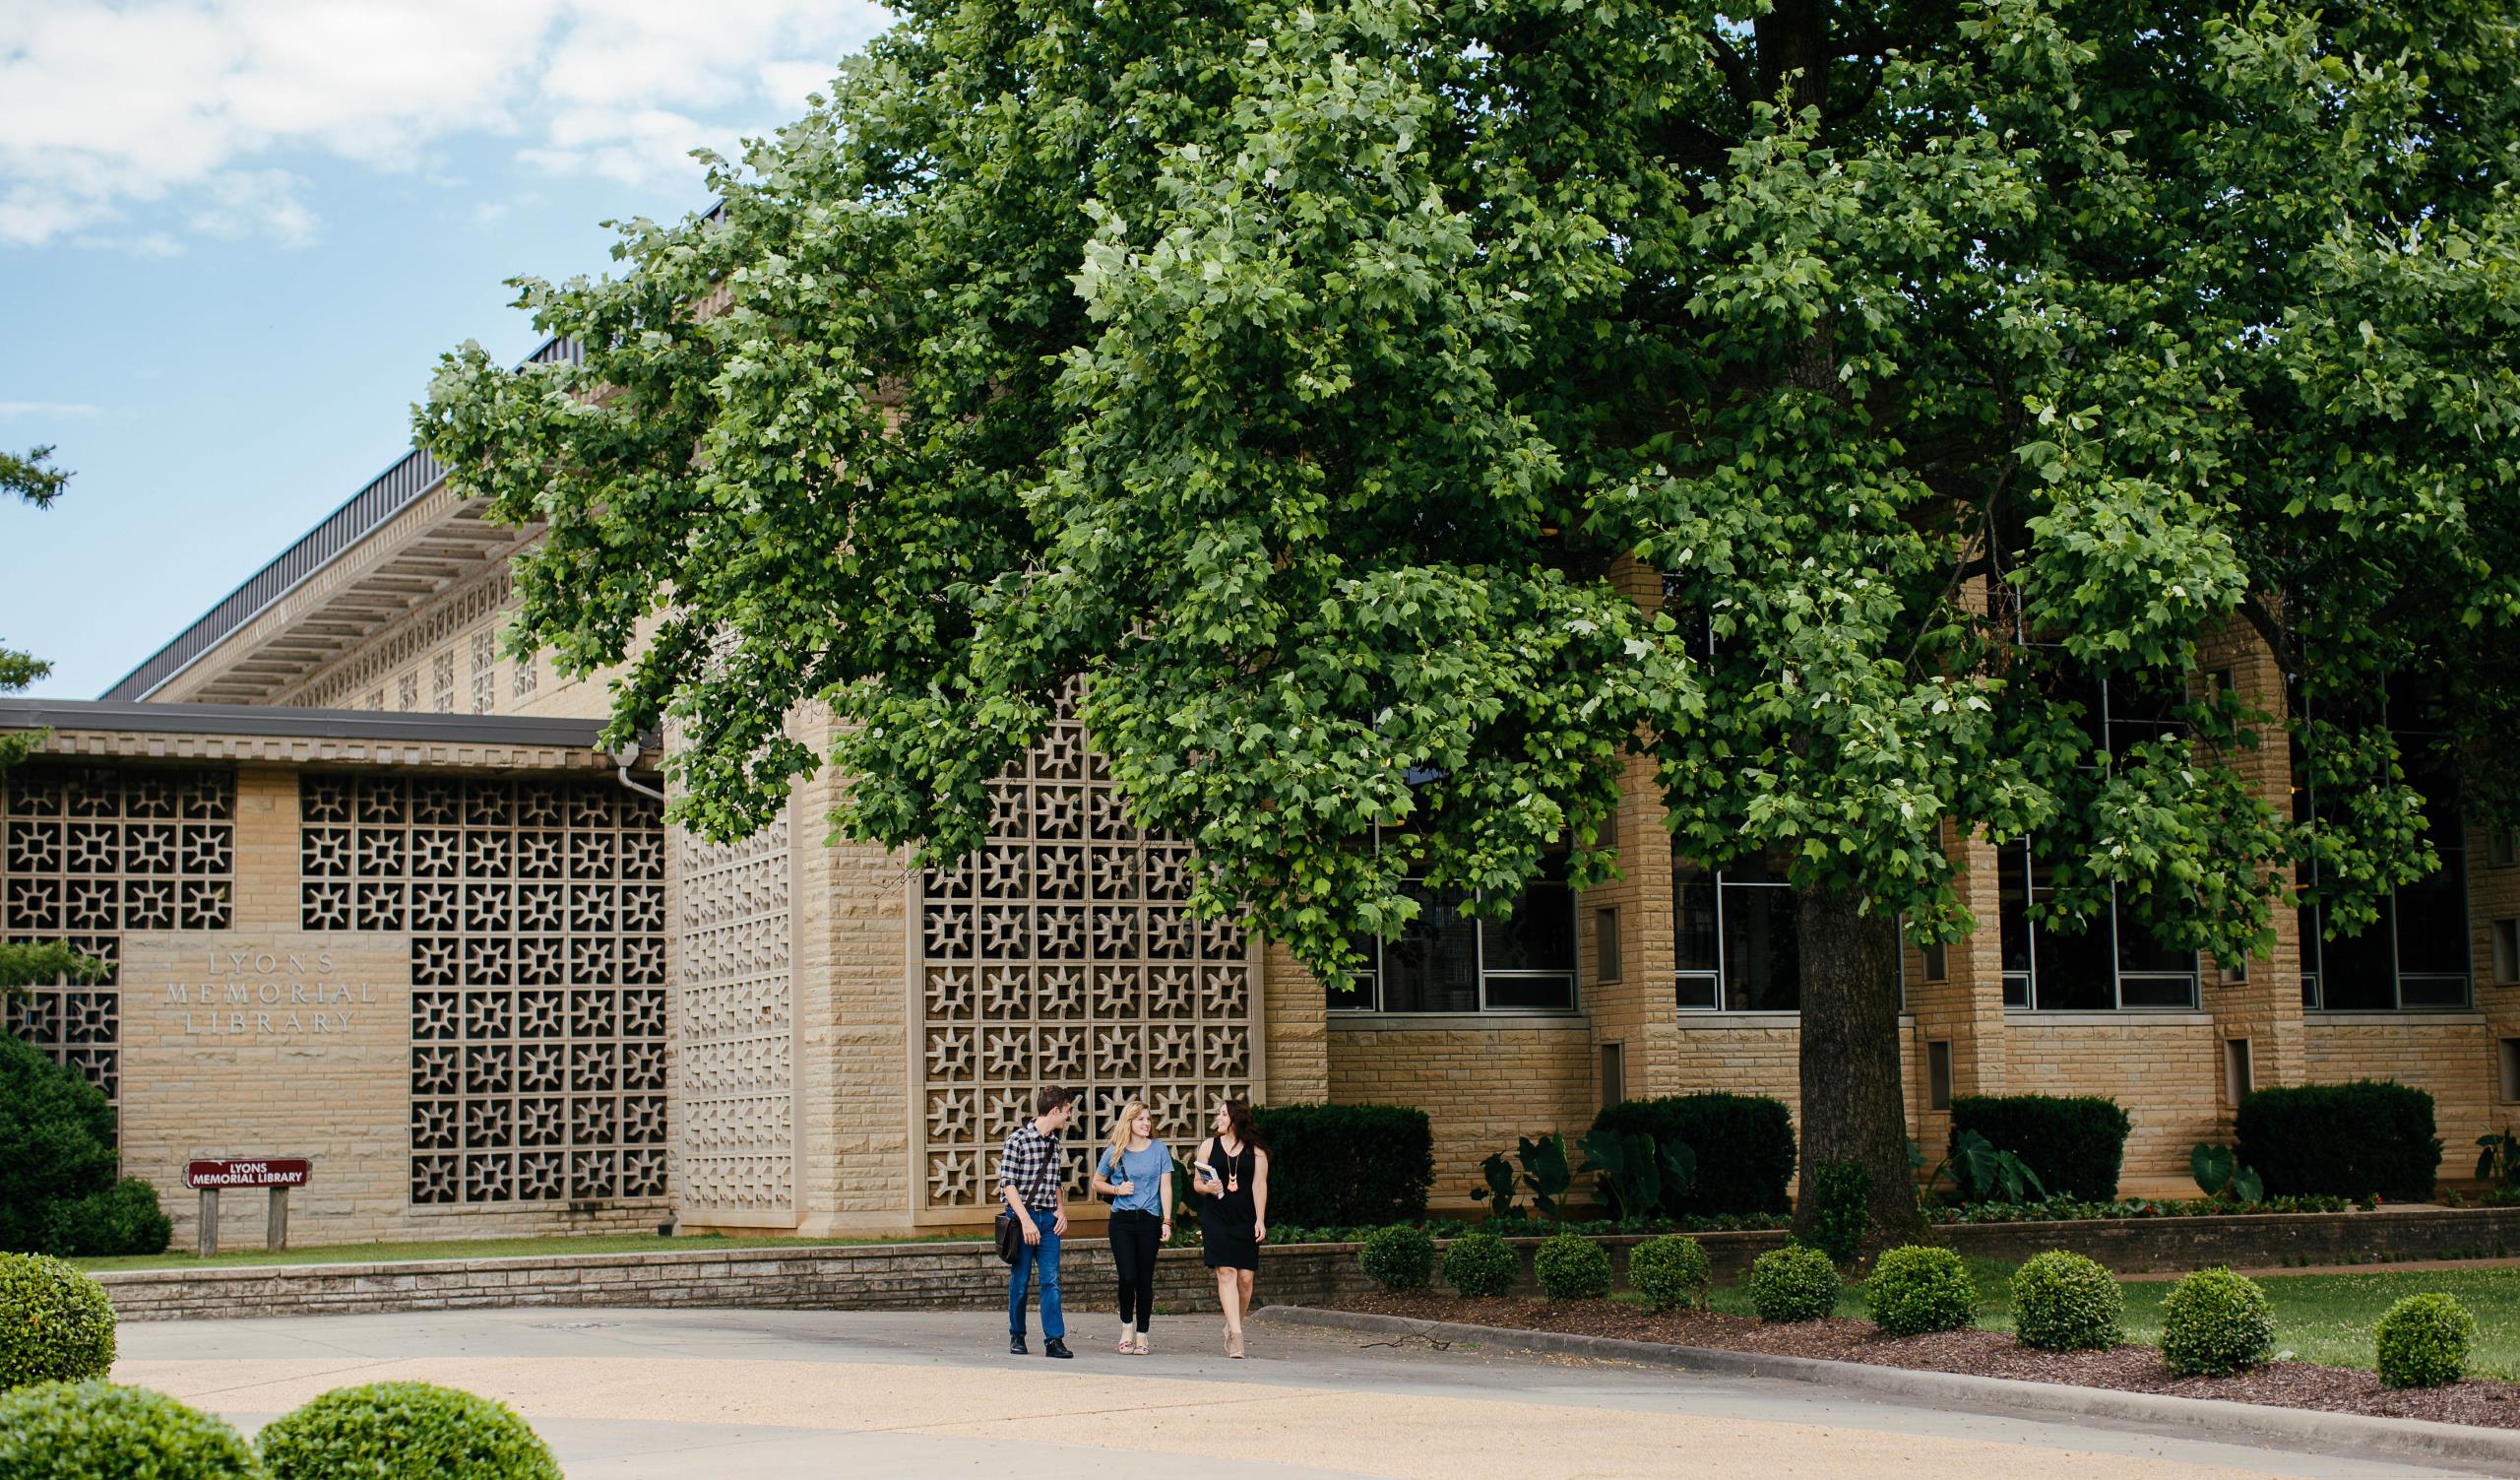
(273, 1172)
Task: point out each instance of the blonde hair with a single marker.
(1120, 1125)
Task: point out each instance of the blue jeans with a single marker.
(1044, 1255)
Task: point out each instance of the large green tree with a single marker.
(1302, 380)
(30, 479)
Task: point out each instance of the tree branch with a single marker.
(2278, 641)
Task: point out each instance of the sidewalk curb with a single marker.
(2491, 1450)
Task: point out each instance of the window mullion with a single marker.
(1722, 977)
(2029, 916)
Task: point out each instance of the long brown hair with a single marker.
(1121, 1133)
(1238, 1118)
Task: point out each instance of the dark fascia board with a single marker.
(311, 723)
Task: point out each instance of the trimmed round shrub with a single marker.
(2063, 1302)
(2216, 1322)
(122, 1219)
(1398, 1258)
(96, 1430)
(1793, 1283)
(1744, 1147)
(56, 1325)
(2423, 1342)
(1479, 1264)
(1672, 1272)
(1570, 1266)
(404, 1430)
(1918, 1289)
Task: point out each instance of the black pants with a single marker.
(1135, 1237)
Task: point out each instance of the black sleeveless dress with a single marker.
(1225, 1221)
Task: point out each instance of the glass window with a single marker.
(1762, 956)
(1449, 960)
(1693, 913)
(1735, 938)
(1433, 967)
(1539, 936)
(2111, 963)
(2141, 708)
(2415, 954)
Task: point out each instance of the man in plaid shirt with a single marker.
(1031, 1177)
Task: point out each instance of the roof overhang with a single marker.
(262, 733)
(396, 546)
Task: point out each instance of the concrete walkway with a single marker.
(625, 1393)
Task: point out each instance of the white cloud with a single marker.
(151, 246)
(789, 82)
(627, 144)
(235, 204)
(9, 409)
(186, 105)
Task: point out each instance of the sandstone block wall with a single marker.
(1485, 1082)
(303, 1048)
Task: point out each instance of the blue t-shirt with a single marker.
(1146, 1170)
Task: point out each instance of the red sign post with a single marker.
(278, 1172)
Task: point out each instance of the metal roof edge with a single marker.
(143, 718)
(556, 348)
(415, 467)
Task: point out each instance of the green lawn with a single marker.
(2318, 1317)
(474, 1248)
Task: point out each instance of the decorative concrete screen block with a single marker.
(735, 1006)
(1064, 952)
(536, 911)
(91, 853)
(486, 672)
(405, 647)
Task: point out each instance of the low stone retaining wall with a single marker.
(843, 1277)
(2267, 1240)
(968, 1276)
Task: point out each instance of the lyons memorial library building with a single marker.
(372, 898)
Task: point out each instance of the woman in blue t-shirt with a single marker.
(1136, 1172)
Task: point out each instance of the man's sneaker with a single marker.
(1015, 1346)
(1054, 1347)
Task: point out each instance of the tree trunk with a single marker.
(1853, 1103)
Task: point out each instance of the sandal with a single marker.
(1233, 1344)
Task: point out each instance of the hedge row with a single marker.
(2076, 1143)
(1745, 1146)
(1347, 1164)
(2364, 1139)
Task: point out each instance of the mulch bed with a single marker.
(1985, 1354)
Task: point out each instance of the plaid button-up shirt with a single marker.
(1031, 1163)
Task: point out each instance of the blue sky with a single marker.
(234, 238)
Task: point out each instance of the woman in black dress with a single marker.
(1233, 1184)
